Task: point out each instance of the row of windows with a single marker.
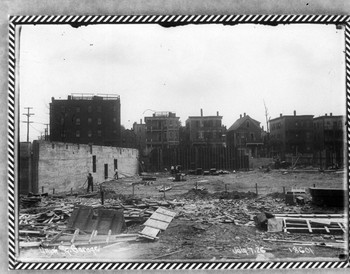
(89, 120)
(89, 109)
(328, 123)
(89, 133)
(205, 123)
(297, 124)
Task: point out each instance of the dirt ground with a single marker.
(196, 234)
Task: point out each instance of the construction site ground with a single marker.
(215, 221)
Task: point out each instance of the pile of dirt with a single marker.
(194, 194)
(234, 195)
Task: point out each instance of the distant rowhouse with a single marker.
(329, 140)
(292, 136)
(205, 130)
(162, 130)
(86, 119)
(245, 135)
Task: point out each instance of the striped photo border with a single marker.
(150, 19)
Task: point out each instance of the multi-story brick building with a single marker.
(140, 132)
(162, 130)
(291, 135)
(245, 135)
(205, 130)
(329, 140)
(86, 119)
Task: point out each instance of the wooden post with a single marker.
(256, 188)
(53, 191)
(102, 195)
(314, 185)
(71, 191)
(42, 189)
(91, 236)
(164, 190)
(284, 190)
(108, 236)
(76, 233)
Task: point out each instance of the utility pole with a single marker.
(28, 122)
(46, 132)
(267, 121)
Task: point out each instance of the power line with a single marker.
(28, 122)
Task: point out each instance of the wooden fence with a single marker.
(193, 158)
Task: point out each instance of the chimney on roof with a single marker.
(280, 114)
(244, 114)
(217, 113)
(326, 114)
(201, 112)
(295, 113)
(141, 121)
(331, 114)
(240, 116)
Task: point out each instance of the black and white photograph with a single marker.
(180, 141)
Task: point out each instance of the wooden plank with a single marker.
(166, 212)
(342, 228)
(309, 226)
(29, 244)
(76, 233)
(156, 224)
(327, 229)
(150, 232)
(284, 225)
(161, 217)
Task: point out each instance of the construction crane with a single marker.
(266, 117)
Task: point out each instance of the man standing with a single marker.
(116, 177)
(90, 180)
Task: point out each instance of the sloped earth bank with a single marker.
(214, 224)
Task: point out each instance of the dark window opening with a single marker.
(94, 163)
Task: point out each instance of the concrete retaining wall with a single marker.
(64, 166)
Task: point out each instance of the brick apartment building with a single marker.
(205, 130)
(162, 130)
(329, 140)
(291, 135)
(86, 119)
(245, 135)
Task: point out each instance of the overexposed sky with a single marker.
(230, 69)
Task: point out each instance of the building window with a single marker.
(89, 108)
(89, 120)
(77, 121)
(252, 136)
(99, 109)
(77, 133)
(99, 121)
(94, 163)
(89, 134)
(99, 133)
(78, 109)
(247, 124)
